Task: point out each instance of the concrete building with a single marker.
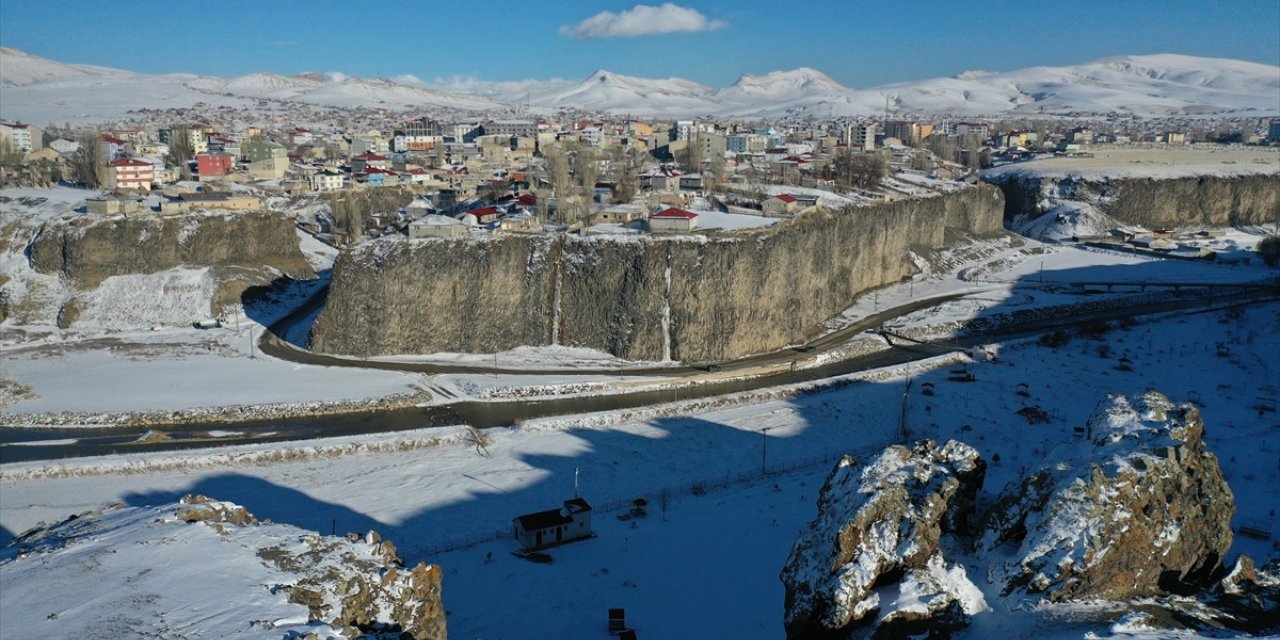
(128, 173)
(909, 132)
(779, 206)
(519, 128)
(68, 145)
(861, 136)
(20, 137)
(554, 526)
(1273, 132)
(211, 166)
(673, 220)
(433, 226)
(189, 201)
(110, 205)
(267, 160)
(326, 181)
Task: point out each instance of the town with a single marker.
(430, 331)
(382, 173)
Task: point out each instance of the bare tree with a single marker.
(88, 165)
(695, 156)
(862, 170)
(181, 152)
(627, 179)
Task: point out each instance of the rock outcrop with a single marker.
(683, 298)
(1137, 512)
(1139, 508)
(206, 568)
(121, 272)
(870, 562)
(89, 249)
(1214, 201)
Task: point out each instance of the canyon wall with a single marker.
(90, 249)
(687, 298)
(1205, 200)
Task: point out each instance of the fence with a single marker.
(694, 488)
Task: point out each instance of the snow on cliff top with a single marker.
(132, 572)
(1158, 163)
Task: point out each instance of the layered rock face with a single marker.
(1141, 508)
(90, 249)
(690, 298)
(1214, 201)
(871, 559)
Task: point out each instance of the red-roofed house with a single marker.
(115, 147)
(376, 177)
(673, 220)
(370, 159)
(214, 165)
(477, 217)
(780, 205)
(128, 173)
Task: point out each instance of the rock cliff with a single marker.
(1213, 201)
(90, 249)
(118, 272)
(682, 298)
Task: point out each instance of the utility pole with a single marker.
(902, 417)
(252, 353)
(764, 448)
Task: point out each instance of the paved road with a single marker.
(483, 414)
(273, 343)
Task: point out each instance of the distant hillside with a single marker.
(39, 90)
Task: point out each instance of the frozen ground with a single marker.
(707, 565)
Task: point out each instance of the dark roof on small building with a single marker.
(553, 517)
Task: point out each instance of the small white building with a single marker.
(554, 526)
(673, 220)
(326, 181)
(65, 145)
(433, 226)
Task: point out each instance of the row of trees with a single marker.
(352, 211)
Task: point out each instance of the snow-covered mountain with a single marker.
(39, 90)
(608, 91)
(18, 69)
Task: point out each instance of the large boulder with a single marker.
(873, 548)
(1139, 507)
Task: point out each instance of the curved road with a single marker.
(273, 343)
(69, 442)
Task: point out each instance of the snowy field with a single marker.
(709, 566)
(1162, 162)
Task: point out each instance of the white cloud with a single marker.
(641, 20)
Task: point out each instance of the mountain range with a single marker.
(39, 90)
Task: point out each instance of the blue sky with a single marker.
(859, 43)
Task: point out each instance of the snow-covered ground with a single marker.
(704, 561)
(707, 564)
(156, 370)
(1160, 163)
